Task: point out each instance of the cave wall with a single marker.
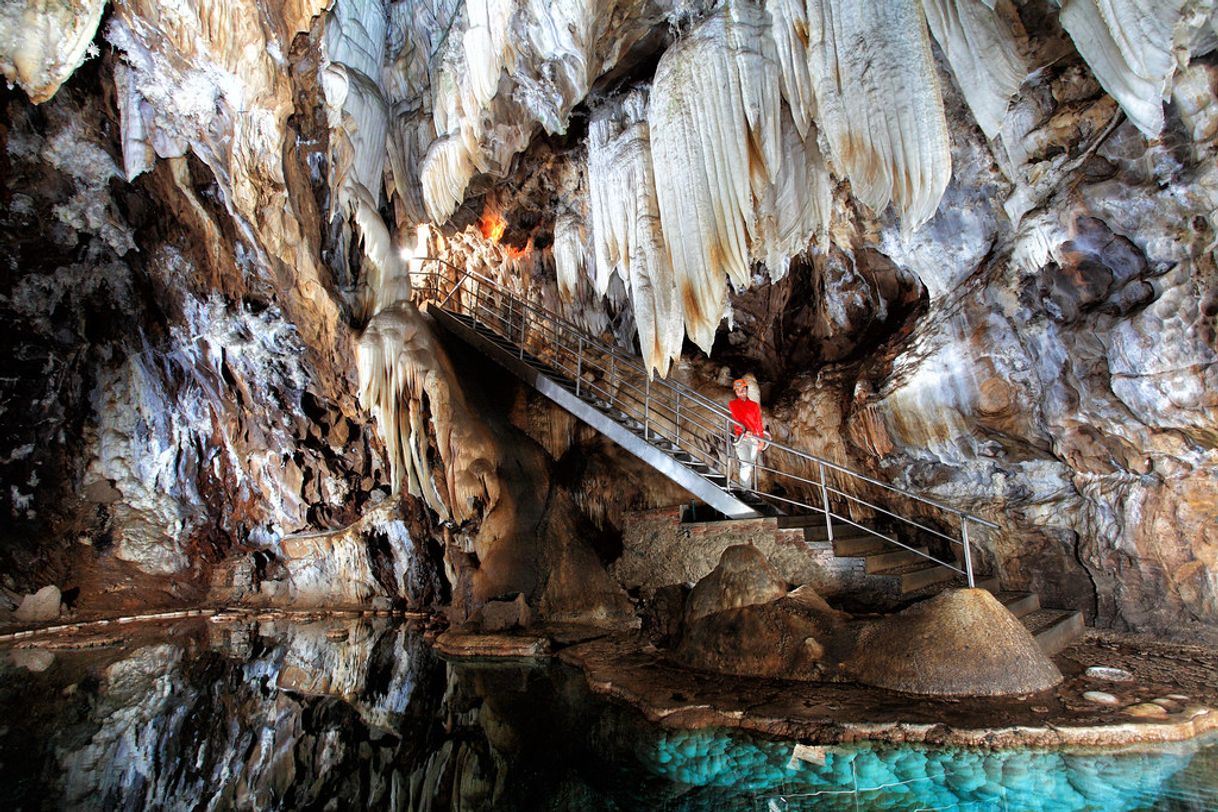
(209, 226)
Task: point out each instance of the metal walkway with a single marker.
(677, 430)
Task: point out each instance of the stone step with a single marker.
(1054, 629)
(891, 558)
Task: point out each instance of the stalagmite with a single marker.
(1128, 45)
(981, 50)
(627, 236)
(43, 41)
(879, 104)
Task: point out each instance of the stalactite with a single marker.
(879, 104)
(1128, 44)
(627, 236)
(714, 129)
(981, 49)
(741, 181)
(43, 42)
(405, 382)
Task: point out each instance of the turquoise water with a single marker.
(352, 715)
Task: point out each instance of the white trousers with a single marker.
(747, 449)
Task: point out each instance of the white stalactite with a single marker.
(569, 255)
(714, 123)
(138, 155)
(627, 237)
(43, 41)
(404, 378)
(981, 49)
(741, 182)
(1129, 46)
(879, 104)
(488, 47)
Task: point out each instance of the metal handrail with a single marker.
(668, 409)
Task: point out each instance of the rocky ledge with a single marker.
(1117, 689)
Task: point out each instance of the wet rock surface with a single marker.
(838, 710)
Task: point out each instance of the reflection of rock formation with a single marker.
(274, 715)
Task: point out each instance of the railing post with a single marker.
(646, 407)
(727, 451)
(968, 553)
(520, 354)
(579, 365)
(676, 421)
(824, 499)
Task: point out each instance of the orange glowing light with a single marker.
(516, 253)
(493, 225)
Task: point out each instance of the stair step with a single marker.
(808, 520)
(919, 576)
(892, 558)
(1054, 629)
(854, 543)
(991, 584)
(1020, 604)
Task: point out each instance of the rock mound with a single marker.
(962, 642)
(740, 620)
(42, 605)
(785, 638)
(743, 577)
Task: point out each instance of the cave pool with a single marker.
(338, 713)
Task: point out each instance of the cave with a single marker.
(609, 404)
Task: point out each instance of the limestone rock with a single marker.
(962, 642)
(42, 605)
(499, 616)
(743, 578)
(35, 660)
(788, 638)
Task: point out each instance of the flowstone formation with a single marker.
(960, 642)
(966, 247)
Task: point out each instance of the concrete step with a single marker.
(1054, 629)
(892, 558)
(1020, 604)
(853, 543)
(919, 576)
(811, 521)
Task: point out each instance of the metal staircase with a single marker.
(677, 430)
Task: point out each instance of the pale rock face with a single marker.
(43, 41)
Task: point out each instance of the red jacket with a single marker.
(747, 412)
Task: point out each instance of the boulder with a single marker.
(42, 605)
(962, 642)
(788, 638)
(500, 616)
(743, 577)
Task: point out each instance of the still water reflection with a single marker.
(352, 715)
